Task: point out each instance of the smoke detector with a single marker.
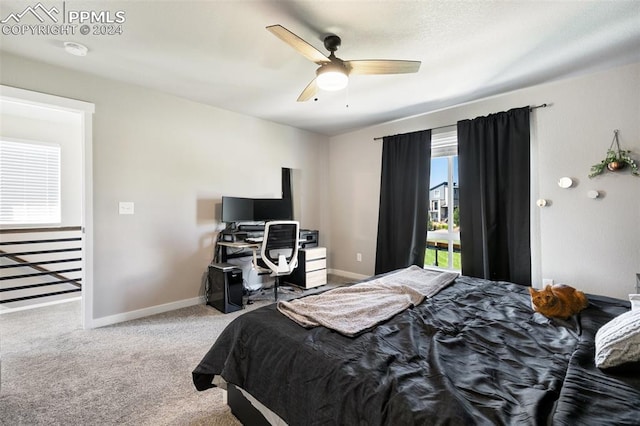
(76, 49)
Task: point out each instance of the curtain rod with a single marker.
(451, 125)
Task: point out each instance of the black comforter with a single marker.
(475, 353)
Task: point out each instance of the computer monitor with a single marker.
(265, 209)
(236, 209)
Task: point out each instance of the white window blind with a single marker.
(444, 144)
(29, 183)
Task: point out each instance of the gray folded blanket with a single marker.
(357, 308)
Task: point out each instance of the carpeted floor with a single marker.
(133, 373)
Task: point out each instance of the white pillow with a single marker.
(635, 301)
(618, 341)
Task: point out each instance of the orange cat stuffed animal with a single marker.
(558, 301)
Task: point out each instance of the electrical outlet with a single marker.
(359, 257)
(547, 281)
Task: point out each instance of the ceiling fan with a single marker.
(333, 73)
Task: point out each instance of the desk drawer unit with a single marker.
(312, 268)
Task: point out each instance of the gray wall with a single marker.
(174, 159)
(591, 244)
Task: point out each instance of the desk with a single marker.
(241, 246)
(243, 255)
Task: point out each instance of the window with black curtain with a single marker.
(494, 159)
(443, 232)
(404, 197)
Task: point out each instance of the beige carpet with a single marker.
(133, 373)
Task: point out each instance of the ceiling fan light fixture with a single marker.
(332, 77)
(333, 73)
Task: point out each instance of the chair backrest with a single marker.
(280, 246)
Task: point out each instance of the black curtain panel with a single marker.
(404, 198)
(494, 170)
(286, 183)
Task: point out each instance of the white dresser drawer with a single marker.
(315, 253)
(316, 278)
(314, 265)
(312, 268)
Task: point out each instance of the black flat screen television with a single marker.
(235, 209)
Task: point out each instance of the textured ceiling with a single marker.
(219, 53)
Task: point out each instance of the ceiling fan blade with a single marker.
(382, 66)
(309, 91)
(307, 50)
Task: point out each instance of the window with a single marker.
(29, 183)
(443, 229)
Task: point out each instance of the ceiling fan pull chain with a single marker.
(346, 95)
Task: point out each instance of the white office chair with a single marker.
(279, 250)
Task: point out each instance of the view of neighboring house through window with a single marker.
(443, 229)
(29, 183)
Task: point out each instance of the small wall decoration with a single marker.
(616, 159)
(565, 182)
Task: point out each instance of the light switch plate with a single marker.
(126, 207)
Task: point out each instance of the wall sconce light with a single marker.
(565, 182)
(593, 194)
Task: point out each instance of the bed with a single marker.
(473, 353)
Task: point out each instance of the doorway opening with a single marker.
(46, 198)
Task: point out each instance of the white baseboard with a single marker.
(347, 274)
(4, 310)
(145, 312)
(153, 310)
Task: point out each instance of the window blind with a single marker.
(444, 144)
(29, 183)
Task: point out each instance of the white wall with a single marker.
(590, 244)
(35, 124)
(174, 159)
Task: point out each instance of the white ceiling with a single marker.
(219, 53)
